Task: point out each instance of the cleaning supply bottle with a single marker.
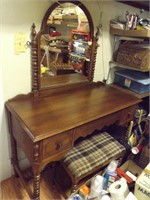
(110, 174)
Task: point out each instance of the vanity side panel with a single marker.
(21, 137)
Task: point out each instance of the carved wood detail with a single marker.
(36, 187)
(93, 59)
(93, 54)
(36, 152)
(34, 59)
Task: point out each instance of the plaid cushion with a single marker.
(92, 152)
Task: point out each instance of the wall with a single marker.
(15, 70)
(16, 16)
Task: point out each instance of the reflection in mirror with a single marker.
(64, 46)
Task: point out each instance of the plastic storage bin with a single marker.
(138, 82)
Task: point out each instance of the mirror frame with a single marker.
(35, 54)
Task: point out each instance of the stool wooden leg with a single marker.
(74, 187)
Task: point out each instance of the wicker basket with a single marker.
(133, 56)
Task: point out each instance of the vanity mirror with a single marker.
(63, 51)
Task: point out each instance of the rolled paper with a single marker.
(119, 189)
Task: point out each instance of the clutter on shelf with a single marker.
(131, 53)
(131, 21)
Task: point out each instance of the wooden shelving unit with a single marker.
(134, 34)
(56, 50)
(130, 33)
(140, 96)
(115, 64)
(73, 24)
(68, 20)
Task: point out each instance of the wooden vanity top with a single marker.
(48, 116)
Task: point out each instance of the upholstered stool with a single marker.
(90, 155)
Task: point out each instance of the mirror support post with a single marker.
(93, 54)
(92, 59)
(34, 60)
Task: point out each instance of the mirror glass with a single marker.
(64, 45)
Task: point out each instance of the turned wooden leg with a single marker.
(36, 187)
(14, 157)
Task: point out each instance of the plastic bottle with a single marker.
(110, 175)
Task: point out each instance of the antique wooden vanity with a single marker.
(46, 122)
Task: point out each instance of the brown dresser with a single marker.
(46, 127)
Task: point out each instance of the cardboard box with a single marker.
(138, 82)
(142, 185)
(129, 165)
(130, 171)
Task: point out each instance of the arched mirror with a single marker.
(63, 52)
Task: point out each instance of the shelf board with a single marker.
(131, 33)
(140, 96)
(80, 41)
(57, 22)
(78, 56)
(65, 16)
(49, 38)
(115, 64)
(56, 50)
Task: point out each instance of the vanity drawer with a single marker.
(88, 128)
(57, 144)
(127, 115)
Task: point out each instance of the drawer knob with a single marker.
(58, 146)
(129, 114)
